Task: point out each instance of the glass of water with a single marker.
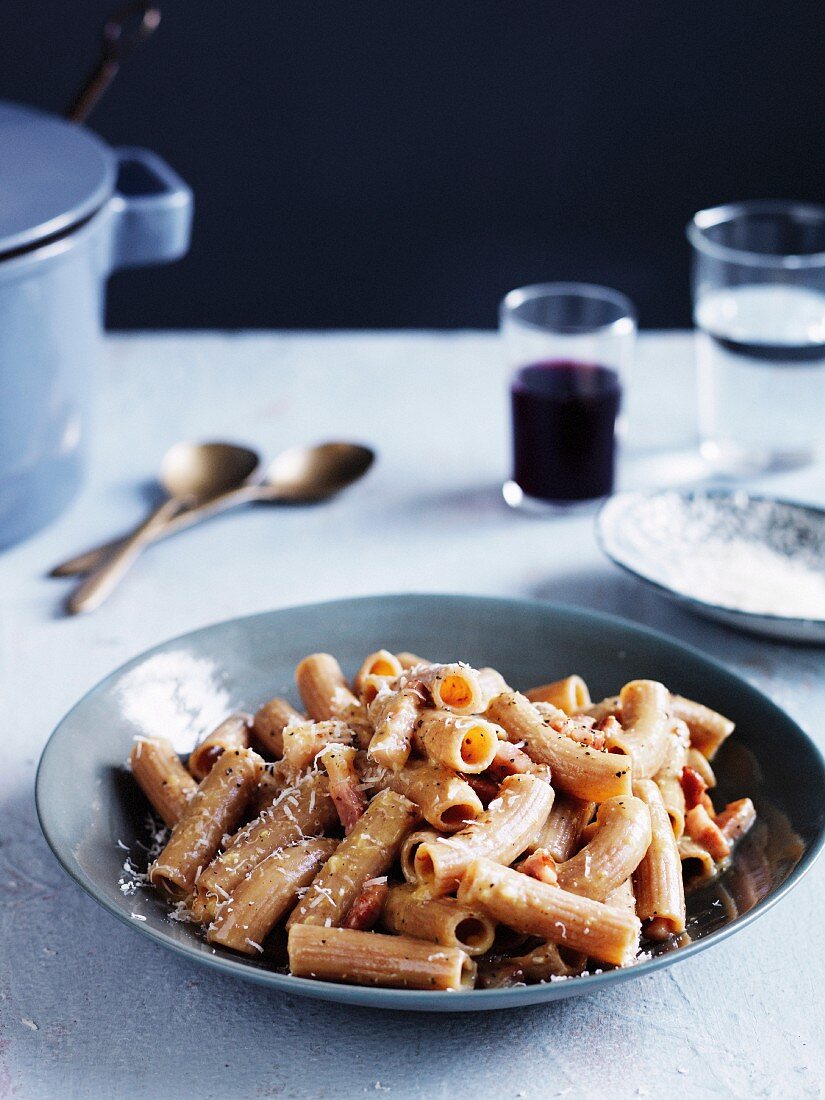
(759, 310)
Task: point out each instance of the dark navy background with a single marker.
(405, 162)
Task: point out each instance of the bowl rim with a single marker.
(649, 494)
(427, 1000)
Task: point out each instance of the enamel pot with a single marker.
(72, 211)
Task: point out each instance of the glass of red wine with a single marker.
(570, 345)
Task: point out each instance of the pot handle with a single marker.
(151, 209)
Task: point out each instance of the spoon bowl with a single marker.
(203, 470)
(213, 477)
(308, 474)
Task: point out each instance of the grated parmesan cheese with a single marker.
(737, 552)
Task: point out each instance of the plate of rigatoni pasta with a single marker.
(431, 802)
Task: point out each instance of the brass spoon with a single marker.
(302, 475)
(192, 474)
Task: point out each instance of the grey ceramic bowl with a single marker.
(89, 807)
(649, 533)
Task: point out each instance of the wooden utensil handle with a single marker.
(91, 593)
(188, 517)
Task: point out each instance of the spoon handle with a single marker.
(87, 561)
(91, 593)
(92, 559)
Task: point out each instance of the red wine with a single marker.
(564, 419)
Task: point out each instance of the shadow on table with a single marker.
(618, 594)
(473, 504)
(598, 591)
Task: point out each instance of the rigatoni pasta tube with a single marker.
(570, 694)
(623, 897)
(708, 728)
(303, 742)
(302, 811)
(597, 930)
(410, 660)
(369, 687)
(585, 772)
(368, 852)
(410, 912)
(643, 733)
(382, 664)
(669, 777)
(697, 863)
(216, 808)
(162, 778)
(446, 800)
(700, 763)
(623, 835)
(412, 842)
(587, 833)
(268, 892)
(453, 687)
(461, 743)
(322, 687)
(356, 717)
(562, 830)
(394, 715)
(505, 829)
(370, 958)
(657, 882)
(492, 683)
(269, 723)
(233, 733)
(609, 707)
(275, 778)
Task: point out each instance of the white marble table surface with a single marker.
(88, 1007)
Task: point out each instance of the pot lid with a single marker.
(53, 174)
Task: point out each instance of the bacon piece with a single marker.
(609, 725)
(736, 818)
(540, 865)
(367, 907)
(584, 720)
(579, 728)
(592, 738)
(344, 784)
(349, 801)
(510, 760)
(693, 786)
(701, 827)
